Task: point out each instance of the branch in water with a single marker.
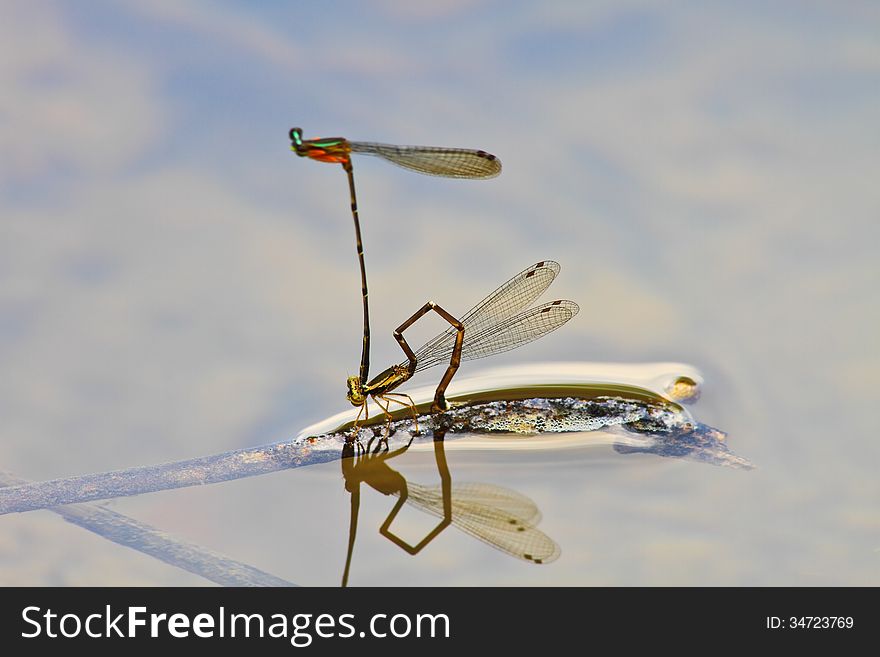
(142, 537)
(663, 428)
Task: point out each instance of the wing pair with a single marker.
(503, 320)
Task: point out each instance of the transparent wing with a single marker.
(504, 336)
(497, 516)
(434, 161)
(513, 296)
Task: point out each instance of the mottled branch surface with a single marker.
(665, 429)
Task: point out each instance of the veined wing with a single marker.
(497, 516)
(434, 160)
(510, 298)
(504, 336)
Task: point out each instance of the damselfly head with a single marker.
(355, 391)
(296, 141)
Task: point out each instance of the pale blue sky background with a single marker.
(174, 281)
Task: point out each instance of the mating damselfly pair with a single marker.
(502, 321)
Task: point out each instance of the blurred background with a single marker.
(175, 282)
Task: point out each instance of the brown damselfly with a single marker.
(500, 322)
(429, 160)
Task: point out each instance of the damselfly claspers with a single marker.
(500, 322)
(430, 160)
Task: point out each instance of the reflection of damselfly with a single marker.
(499, 323)
(499, 517)
(431, 160)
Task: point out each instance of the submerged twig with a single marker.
(647, 424)
(139, 536)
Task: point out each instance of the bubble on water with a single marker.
(684, 389)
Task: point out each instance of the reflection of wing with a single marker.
(500, 517)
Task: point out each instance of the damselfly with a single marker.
(500, 322)
(430, 160)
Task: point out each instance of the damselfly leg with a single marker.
(397, 374)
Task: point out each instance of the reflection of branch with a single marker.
(149, 540)
(668, 428)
